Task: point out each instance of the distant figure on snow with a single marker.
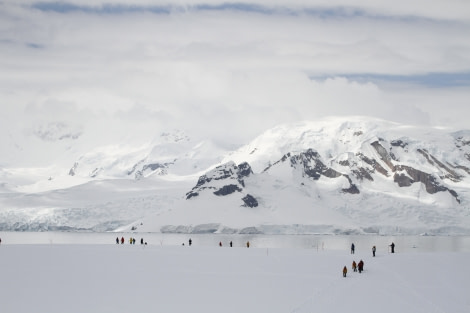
(122, 240)
(141, 241)
(354, 266)
(220, 243)
(352, 248)
(231, 244)
(345, 271)
(360, 266)
(190, 242)
(117, 240)
(392, 247)
(373, 251)
(247, 244)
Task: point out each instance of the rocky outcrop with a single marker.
(250, 201)
(73, 170)
(362, 173)
(449, 173)
(233, 175)
(227, 190)
(312, 166)
(383, 153)
(376, 167)
(413, 175)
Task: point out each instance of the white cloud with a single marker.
(229, 72)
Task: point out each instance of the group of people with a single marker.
(355, 267)
(131, 241)
(360, 266)
(231, 244)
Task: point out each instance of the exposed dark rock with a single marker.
(394, 158)
(402, 180)
(73, 170)
(331, 173)
(227, 190)
(134, 168)
(283, 159)
(430, 183)
(250, 201)
(95, 172)
(229, 171)
(352, 187)
(313, 167)
(398, 143)
(383, 154)
(362, 173)
(153, 166)
(452, 175)
(461, 141)
(358, 133)
(344, 163)
(375, 165)
(460, 167)
(244, 170)
(191, 194)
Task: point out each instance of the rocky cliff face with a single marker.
(225, 180)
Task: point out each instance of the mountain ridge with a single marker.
(335, 175)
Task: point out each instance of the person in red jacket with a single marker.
(345, 271)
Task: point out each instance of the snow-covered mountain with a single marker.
(336, 175)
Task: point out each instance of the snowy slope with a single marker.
(134, 278)
(336, 175)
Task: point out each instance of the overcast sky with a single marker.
(228, 70)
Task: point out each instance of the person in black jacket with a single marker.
(360, 266)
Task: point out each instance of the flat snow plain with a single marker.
(154, 278)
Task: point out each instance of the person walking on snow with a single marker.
(392, 247)
(360, 266)
(352, 248)
(354, 266)
(345, 271)
(373, 251)
(122, 240)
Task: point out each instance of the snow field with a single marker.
(153, 278)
